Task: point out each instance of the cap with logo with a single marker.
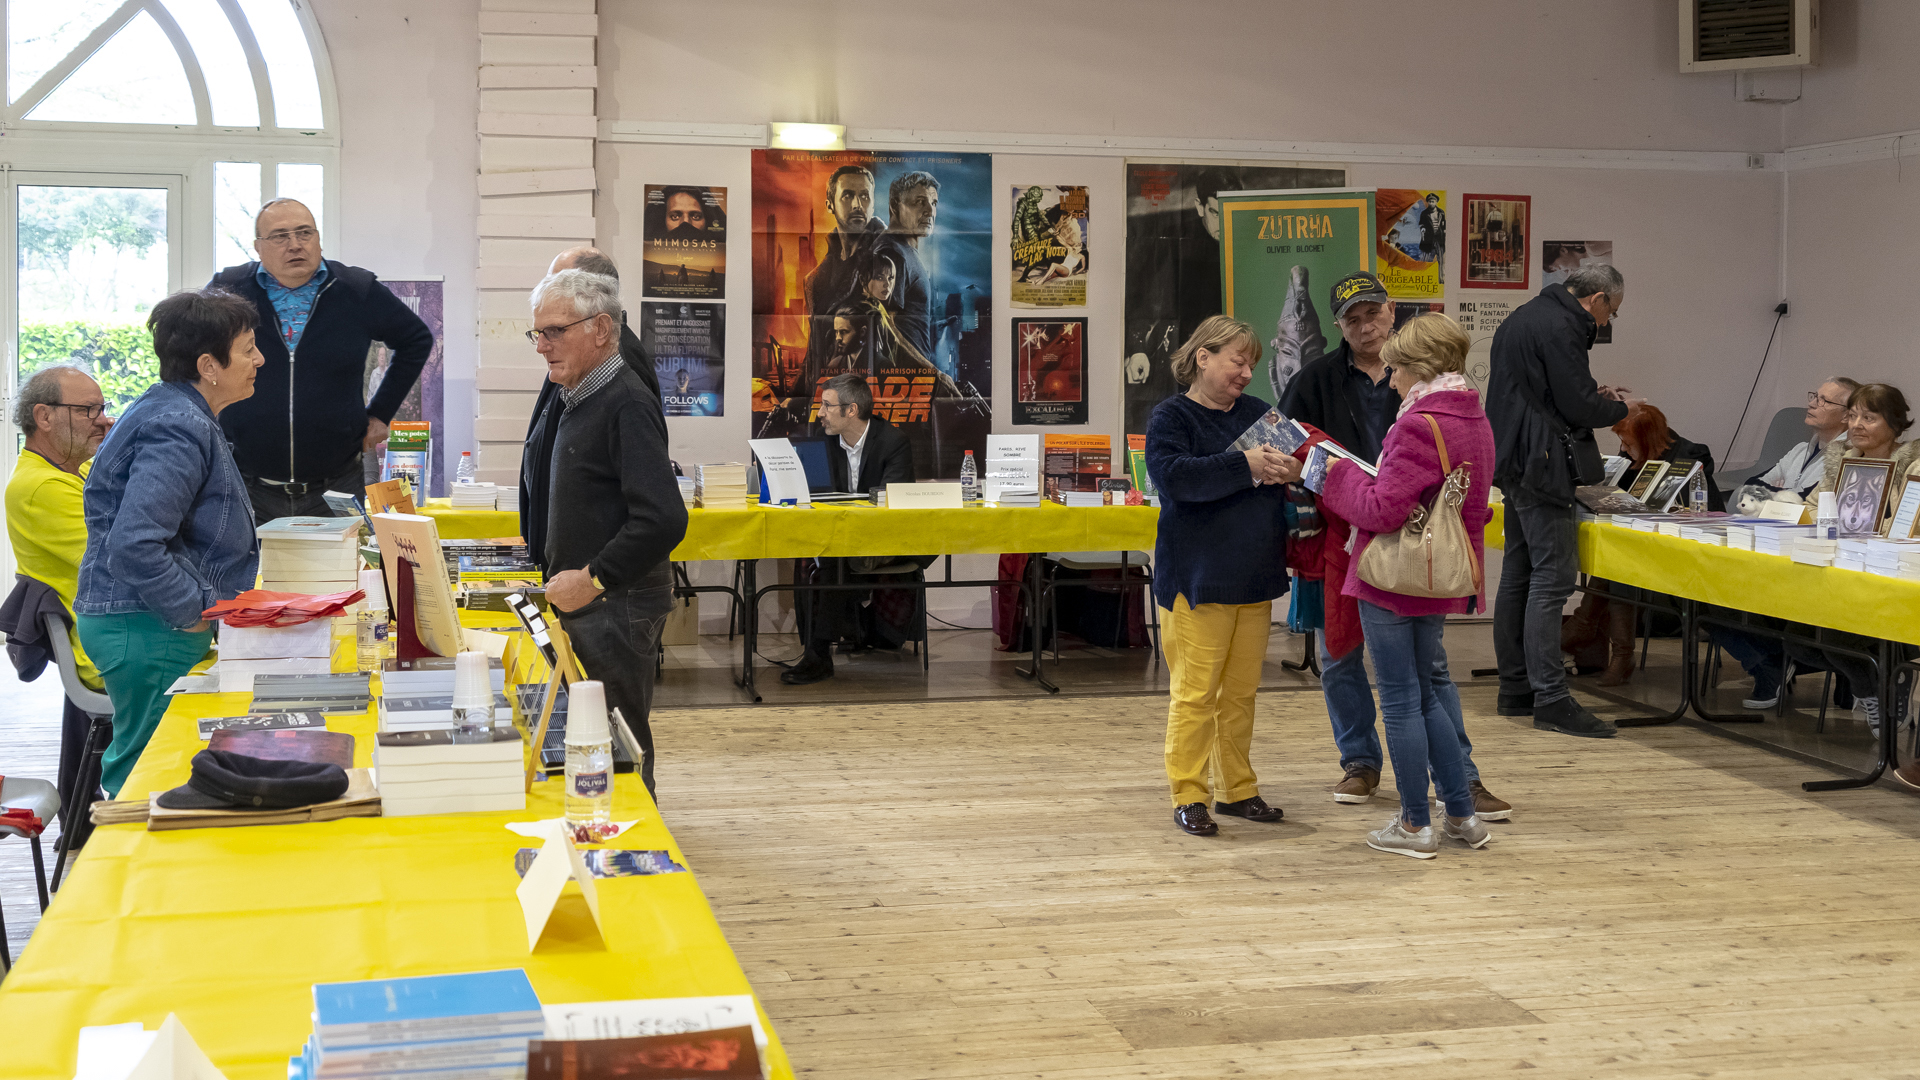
(1353, 289)
(223, 780)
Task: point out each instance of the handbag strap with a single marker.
(1439, 443)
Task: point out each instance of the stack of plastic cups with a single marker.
(472, 699)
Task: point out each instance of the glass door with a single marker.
(93, 252)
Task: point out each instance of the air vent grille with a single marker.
(1743, 29)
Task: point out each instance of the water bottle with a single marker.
(463, 472)
(969, 479)
(370, 633)
(472, 698)
(589, 775)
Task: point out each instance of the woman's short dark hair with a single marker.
(196, 322)
(1885, 402)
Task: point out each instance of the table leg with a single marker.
(1033, 624)
(1688, 660)
(1696, 675)
(749, 626)
(1889, 755)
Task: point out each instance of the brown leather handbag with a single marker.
(1431, 555)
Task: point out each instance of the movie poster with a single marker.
(1050, 371)
(1413, 241)
(1405, 311)
(684, 240)
(879, 263)
(1495, 254)
(1481, 317)
(1281, 252)
(1558, 258)
(1173, 262)
(428, 398)
(688, 346)
(1049, 246)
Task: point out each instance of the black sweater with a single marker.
(613, 505)
(308, 428)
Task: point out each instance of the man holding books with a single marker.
(1346, 394)
(614, 511)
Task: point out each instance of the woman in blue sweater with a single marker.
(1218, 563)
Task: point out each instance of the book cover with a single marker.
(1646, 478)
(293, 744)
(1606, 499)
(723, 1054)
(1275, 429)
(412, 538)
(484, 1003)
(262, 721)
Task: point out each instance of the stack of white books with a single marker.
(1893, 557)
(431, 713)
(1705, 534)
(686, 489)
(246, 651)
(1016, 496)
(1773, 539)
(1083, 498)
(426, 772)
(474, 495)
(1850, 552)
(315, 555)
(1670, 528)
(1813, 551)
(474, 1026)
(720, 486)
(507, 498)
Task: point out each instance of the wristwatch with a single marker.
(595, 578)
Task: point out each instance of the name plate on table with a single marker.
(782, 478)
(923, 496)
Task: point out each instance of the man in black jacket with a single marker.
(863, 452)
(537, 458)
(614, 511)
(1540, 394)
(308, 422)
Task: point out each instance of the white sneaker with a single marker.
(1469, 830)
(1866, 710)
(1395, 837)
(1756, 702)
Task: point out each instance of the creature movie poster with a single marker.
(1494, 255)
(428, 398)
(1173, 262)
(1558, 258)
(684, 235)
(1413, 241)
(878, 263)
(1050, 371)
(1281, 253)
(688, 346)
(1049, 246)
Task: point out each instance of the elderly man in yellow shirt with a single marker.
(64, 416)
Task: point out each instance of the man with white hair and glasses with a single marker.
(613, 508)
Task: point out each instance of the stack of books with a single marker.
(1705, 534)
(417, 695)
(1890, 557)
(333, 694)
(687, 492)
(1850, 553)
(250, 651)
(426, 772)
(312, 555)
(500, 558)
(507, 499)
(1777, 539)
(1813, 551)
(474, 496)
(720, 486)
(1079, 498)
(473, 1026)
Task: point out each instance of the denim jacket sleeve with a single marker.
(144, 549)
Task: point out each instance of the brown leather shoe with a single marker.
(1357, 786)
(1193, 818)
(1485, 806)
(1907, 776)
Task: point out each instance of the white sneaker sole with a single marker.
(1484, 841)
(1757, 704)
(1411, 853)
(1493, 815)
(1351, 799)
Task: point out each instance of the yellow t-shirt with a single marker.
(47, 522)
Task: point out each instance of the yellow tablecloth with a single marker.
(863, 529)
(230, 928)
(1771, 585)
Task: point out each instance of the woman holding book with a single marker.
(1219, 561)
(169, 524)
(1440, 418)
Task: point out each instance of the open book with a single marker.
(1289, 436)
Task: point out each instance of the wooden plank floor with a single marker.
(996, 889)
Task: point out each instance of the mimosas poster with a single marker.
(685, 242)
(878, 263)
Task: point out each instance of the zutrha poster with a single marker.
(879, 263)
(1173, 261)
(1282, 251)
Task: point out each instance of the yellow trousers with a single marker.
(1214, 653)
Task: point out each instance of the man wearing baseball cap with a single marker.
(1347, 395)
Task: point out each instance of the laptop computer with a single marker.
(813, 458)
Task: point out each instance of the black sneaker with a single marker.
(1569, 717)
(1194, 818)
(1254, 809)
(1515, 704)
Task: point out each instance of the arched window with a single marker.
(142, 136)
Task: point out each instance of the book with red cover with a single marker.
(288, 744)
(720, 1054)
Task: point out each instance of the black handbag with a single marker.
(1583, 453)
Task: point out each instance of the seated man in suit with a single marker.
(863, 452)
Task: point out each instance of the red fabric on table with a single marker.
(259, 607)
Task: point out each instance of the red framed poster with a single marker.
(1499, 232)
(1050, 385)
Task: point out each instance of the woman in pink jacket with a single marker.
(1425, 360)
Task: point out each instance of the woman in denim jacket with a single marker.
(169, 527)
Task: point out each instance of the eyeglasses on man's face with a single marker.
(91, 412)
(1814, 398)
(553, 333)
(283, 237)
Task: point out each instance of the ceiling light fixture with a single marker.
(807, 136)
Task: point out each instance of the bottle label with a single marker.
(590, 785)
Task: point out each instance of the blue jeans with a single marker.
(1420, 731)
(1350, 709)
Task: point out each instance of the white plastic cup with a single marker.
(471, 689)
(587, 712)
(373, 582)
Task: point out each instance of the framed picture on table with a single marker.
(1861, 494)
(1906, 512)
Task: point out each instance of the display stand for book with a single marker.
(566, 670)
(408, 646)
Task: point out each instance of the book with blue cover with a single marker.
(1273, 429)
(375, 1012)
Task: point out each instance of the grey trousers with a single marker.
(617, 636)
(1536, 578)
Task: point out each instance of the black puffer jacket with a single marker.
(1540, 353)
